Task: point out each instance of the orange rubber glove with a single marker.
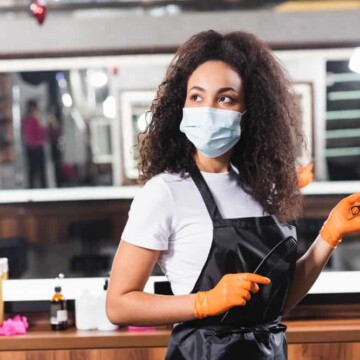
(304, 175)
(232, 290)
(342, 220)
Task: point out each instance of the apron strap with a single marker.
(205, 194)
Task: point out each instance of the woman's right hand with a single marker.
(304, 175)
(342, 220)
(232, 290)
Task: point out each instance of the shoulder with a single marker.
(159, 188)
(161, 181)
(166, 188)
(166, 180)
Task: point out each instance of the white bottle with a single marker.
(4, 264)
(85, 311)
(103, 323)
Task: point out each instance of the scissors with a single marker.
(355, 210)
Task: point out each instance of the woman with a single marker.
(34, 135)
(219, 161)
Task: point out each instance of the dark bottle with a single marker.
(58, 310)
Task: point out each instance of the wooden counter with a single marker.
(307, 339)
(43, 338)
(323, 331)
(334, 339)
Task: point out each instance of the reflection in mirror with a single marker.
(87, 109)
(335, 124)
(60, 119)
(56, 128)
(342, 120)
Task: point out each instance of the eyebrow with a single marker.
(221, 90)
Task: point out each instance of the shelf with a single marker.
(68, 194)
(129, 191)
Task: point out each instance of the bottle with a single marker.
(85, 308)
(4, 275)
(4, 264)
(58, 309)
(103, 323)
(1, 296)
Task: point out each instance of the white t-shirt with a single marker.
(169, 214)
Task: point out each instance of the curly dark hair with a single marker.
(271, 129)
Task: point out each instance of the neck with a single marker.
(213, 165)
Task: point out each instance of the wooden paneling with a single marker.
(108, 354)
(323, 331)
(334, 351)
(320, 206)
(49, 222)
(43, 338)
(9, 227)
(326, 311)
(322, 339)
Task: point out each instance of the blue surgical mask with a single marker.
(212, 131)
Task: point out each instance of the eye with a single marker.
(225, 99)
(195, 97)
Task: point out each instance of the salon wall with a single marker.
(122, 32)
(84, 32)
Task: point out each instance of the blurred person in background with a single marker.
(34, 135)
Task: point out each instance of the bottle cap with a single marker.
(106, 284)
(58, 282)
(4, 265)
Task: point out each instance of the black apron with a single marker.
(250, 332)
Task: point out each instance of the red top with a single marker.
(33, 132)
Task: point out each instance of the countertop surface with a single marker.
(43, 338)
(127, 192)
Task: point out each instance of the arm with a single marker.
(340, 222)
(127, 303)
(307, 270)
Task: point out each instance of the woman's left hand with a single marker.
(304, 175)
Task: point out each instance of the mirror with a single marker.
(90, 110)
(335, 103)
(65, 122)
(73, 121)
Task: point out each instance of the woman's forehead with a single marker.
(215, 73)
